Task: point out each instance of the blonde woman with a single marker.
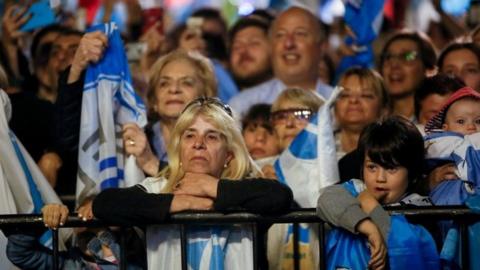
(208, 170)
(176, 79)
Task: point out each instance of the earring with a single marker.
(181, 164)
(225, 165)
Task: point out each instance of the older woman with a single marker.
(176, 79)
(208, 167)
(362, 101)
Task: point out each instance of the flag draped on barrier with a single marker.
(23, 188)
(109, 101)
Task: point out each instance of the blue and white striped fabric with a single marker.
(364, 18)
(310, 162)
(109, 101)
(464, 151)
(23, 188)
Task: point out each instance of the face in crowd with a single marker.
(358, 104)
(290, 118)
(250, 56)
(260, 139)
(204, 148)
(463, 116)
(402, 68)
(296, 46)
(463, 63)
(177, 86)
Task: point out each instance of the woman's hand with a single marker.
(367, 201)
(135, 143)
(187, 202)
(197, 184)
(54, 215)
(443, 173)
(90, 50)
(269, 172)
(378, 249)
(85, 211)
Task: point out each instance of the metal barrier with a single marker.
(462, 215)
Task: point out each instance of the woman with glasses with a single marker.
(405, 61)
(462, 59)
(291, 113)
(175, 80)
(362, 101)
(208, 169)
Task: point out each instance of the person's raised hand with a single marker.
(13, 18)
(90, 50)
(197, 184)
(378, 249)
(135, 143)
(54, 215)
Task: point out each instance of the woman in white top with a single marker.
(208, 170)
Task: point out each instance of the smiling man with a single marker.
(296, 39)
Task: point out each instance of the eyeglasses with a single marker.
(299, 115)
(404, 58)
(201, 101)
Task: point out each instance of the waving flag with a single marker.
(364, 18)
(310, 162)
(23, 188)
(109, 101)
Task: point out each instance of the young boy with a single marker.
(391, 151)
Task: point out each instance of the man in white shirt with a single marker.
(296, 43)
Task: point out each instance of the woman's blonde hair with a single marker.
(202, 66)
(216, 113)
(307, 98)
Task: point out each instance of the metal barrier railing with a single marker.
(462, 215)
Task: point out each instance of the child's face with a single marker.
(463, 117)
(261, 142)
(386, 185)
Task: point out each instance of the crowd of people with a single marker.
(223, 103)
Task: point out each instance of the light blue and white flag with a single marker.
(453, 147)
(109, 101)
(310, 162)
(364, 18)
(23, 188)
(464, 151)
